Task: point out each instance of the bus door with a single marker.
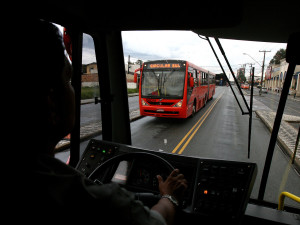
(208, 83)
(197, 85)
(190, 85)
(205, 83)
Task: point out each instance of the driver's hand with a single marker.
(174, 185)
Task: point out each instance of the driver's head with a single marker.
(43, 78)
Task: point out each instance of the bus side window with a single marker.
(204, 78)
(195, 75)
(188, 86)
(212, 79)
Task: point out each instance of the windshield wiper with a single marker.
(251, 98)
(293, 58)
(164, 78)
(228, 64)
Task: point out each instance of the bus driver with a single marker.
(51, 189)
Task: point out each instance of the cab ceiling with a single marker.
(263, 20)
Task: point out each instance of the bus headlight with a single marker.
(144, 103)
(178, 104)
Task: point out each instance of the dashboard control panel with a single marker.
(223, 188)
(94, 155)
(218, 190)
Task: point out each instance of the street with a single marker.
(271, 100)
(222, 135)
(219, 130)
(91, 113)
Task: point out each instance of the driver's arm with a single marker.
(174, 186)
(119, 205)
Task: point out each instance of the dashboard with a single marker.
(215, 187)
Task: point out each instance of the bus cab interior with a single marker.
(230, 182)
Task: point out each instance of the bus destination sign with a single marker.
(163, 65)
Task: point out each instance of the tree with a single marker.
(241, 75)
(280, 54)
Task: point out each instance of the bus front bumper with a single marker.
(170, 112)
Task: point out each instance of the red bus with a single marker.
(174, 88)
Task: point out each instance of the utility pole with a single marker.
(128, 63)
(263, 66)
(262, 70)
(251, 65)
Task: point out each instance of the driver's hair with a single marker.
(43, 53)
(40, 59)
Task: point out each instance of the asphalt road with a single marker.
(271, 100)
(218, 131)
(91, 113)
(221, 132)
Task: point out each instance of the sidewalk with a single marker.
(291, 97)
(287, 134)
(92, 130)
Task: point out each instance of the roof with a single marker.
(255, 20)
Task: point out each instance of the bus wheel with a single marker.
(212, 96)
(194, 110)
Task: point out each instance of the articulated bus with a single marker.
(174, 88)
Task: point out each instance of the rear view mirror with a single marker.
(67, 43)
(136, 76)
(191, 82)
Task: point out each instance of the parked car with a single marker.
(245, 86)
(277, 89)
(292, 92)
(264, 90)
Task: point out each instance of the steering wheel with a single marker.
(144, 197)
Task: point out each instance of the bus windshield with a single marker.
(162, 83)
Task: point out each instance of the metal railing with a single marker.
(282, 197)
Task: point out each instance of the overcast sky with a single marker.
(186, 45)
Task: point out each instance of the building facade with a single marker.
(90, 77)
(275, 77)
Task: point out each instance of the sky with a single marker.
(186, 45)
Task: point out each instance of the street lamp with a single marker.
(262, 66)
(252, 58)
(262, 70)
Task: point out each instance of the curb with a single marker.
(290, 97)
(90, 131)
(92, 100)
(286, 140)
(95, 128)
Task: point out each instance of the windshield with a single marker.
(163, 83)
(219, 129)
